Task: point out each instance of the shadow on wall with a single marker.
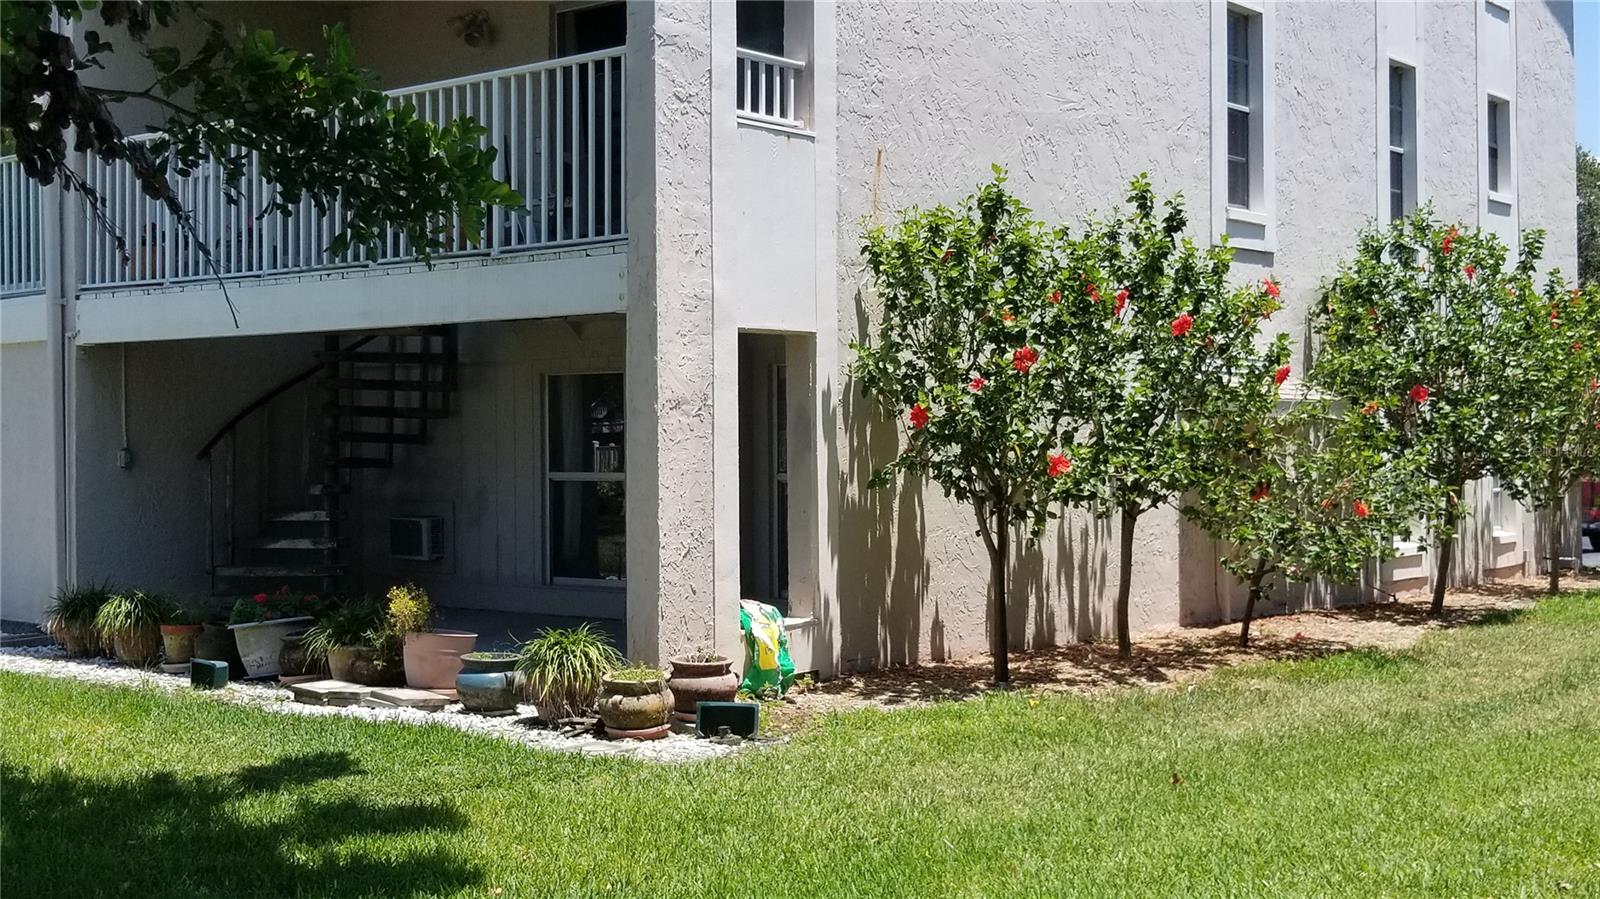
(161, 835)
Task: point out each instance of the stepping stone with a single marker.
(329, 692)
(404, 697)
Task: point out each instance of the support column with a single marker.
(671, 351)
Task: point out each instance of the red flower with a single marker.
(1024, 358)
(1594, 384)
(1419, 394)
(1555, 312)
(976, 384)
(947, 254)
(1577, 346)
(1260, 493)
(1055, 296)
(261, 597)
(1271, 287)
(1360, 508)
(1059, 463)
(1122, 300)
(1445, 247)
(1182, 324)
(919, 416)
(1470, 271)
(1370, 408)
(1094, 293)
(1281, 375)
(1007, 316)
(1597, 426)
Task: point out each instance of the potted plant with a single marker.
(179, 628)
(562, 667)
(700, 677)
(432, 658)
(131, 621)
(488, 682)
(635, 703)
(260, 622)
(70, 618)
(355, 639)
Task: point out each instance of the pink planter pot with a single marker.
(433, 658)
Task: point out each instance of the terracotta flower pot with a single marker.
(488, 683)
(177, 642)
(695, 682)
(293, 659)
(260, 642)
(137, 648)
(433, 658)
(77, 639)
(635, 710)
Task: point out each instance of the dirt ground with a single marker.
(1164, 659)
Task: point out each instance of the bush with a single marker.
(410, 610)
(351, 622)
(132, 611)
(285, 603)
(563, 667)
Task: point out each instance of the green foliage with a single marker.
(1588, 218)
(562, 668)
(238, 94)
(637, 673)
(184, 613)
(357, 621)
(285, 603)
(77, 604)
(410, 610)
(132, 611)
(1424, 330)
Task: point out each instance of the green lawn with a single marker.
(1468, 767)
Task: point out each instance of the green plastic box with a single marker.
(740, 718)
(205, 674)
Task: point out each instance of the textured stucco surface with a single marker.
(27, 482)
(1083, 97)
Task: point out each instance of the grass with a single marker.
(1469, 766)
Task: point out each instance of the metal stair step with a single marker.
(396, 358)
(391, 412)
(317, 543)
(303, 515)
(328, 489)
(362, 462)
(381, 437)
(399, 385)
(243, 571)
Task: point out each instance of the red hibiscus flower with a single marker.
(1418, 394)
(1122, 301)
(1555, 313)
(976, 384)
(1059, 464)
(1094, 293)
(919, 416)
(1271, 287)
(1281, 375)
(1024, 358)
(1470, 271)
(1182, 325)
(1260, 493)
(1007, 316)
(1360, 508)
(1594, 384)
(947, 254)
(1370, 408)
(1055, 296)
(260, 597)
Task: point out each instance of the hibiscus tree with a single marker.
(1178, 367)
(973, 357)
(1420, 330)
(1559, 331)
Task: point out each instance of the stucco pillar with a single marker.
(671, 351)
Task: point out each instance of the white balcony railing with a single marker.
(21, 268)
(559, 129)
(769, 88)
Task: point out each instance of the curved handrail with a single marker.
(268, 397)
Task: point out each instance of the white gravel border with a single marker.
(51, 661)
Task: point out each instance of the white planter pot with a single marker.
(259, 643)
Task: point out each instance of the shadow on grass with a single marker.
(162, 835)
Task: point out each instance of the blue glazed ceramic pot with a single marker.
(488, 683)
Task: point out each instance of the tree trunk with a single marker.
(1556, 516)
(999, 564)
(1250, 603)
(1446, 550)
(1130, 518)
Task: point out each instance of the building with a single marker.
(660, 337)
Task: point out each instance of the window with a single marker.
(773, 38)
(584, 461)
(760, 26)
(1239, 109)
(1499, 144)
(588, 29)
(1402, 141)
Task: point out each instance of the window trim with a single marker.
(1504, 168)
(1252, 228)
(1411, 141)
(548, 476)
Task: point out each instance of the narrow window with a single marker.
(1402, 141)
(1498, 139)
(1239, 109)
(584, 518)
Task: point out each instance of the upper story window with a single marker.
(1402, 140)
(1242, 126)
(1498, 141)
(587, 29)
(773, 43)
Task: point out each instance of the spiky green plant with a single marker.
(351, 622)
(76, 604)
(637, 673)
(562, 667)
(128, 612)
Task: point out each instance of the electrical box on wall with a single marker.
(418, 537)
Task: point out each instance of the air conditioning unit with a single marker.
(419, 537)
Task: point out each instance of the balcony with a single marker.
(558, 126)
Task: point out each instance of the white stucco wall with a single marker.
(27, 482)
